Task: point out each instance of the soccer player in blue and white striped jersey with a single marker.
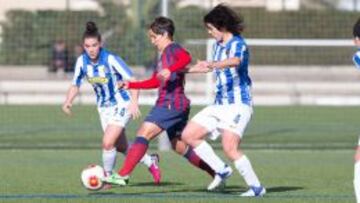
(356, 60)
(356, 33)
(104, 70)
(232, 108)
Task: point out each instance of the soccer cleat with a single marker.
(254, 192)
(154, 169)
(219, 179)
(116, 179)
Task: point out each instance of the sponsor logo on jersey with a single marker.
(101, 80)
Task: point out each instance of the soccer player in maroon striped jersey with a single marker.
(172, 107)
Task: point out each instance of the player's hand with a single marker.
(164, 74)
(123, 85)
(66, 108)
(134, 110)
(202, 66)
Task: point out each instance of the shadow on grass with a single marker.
(233, 189)
(283, 189)
(151, 184)
(165, 189)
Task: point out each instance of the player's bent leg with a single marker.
(151, 130)
(186, 151)
(230, 142)
(193, 134)
(138, 149)
(150, 161)
(122, 143)
(111, 134)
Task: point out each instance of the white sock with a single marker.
(357, 181)
(146, 160)
(245, 169)
(109, 159)
(207, 154)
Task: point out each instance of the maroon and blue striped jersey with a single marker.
(171, 93)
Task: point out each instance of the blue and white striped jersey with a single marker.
(356, 59)
(232, 84)
(103, 76)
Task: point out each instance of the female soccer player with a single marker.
(172, 107)
(115, 106)
(232, 109)
(356, 60)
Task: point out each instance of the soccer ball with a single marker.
(91, 177)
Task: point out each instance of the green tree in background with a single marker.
(27, 36)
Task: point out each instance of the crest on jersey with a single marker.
(101, 69)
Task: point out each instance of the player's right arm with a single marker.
(75, 87)
(70, 96)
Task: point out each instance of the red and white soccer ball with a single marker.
(91, 177)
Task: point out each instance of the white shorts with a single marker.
(231, 117)
(114, 115)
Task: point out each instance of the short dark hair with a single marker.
(162, 25)
(223, 17)
(356, 29)
(91, 31)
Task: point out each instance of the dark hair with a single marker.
(163, 25)
(222, 17)
(91, 31)
(356, 29)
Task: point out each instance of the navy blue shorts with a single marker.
(170, 120)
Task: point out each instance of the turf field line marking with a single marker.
(160, 196)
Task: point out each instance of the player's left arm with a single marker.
(230, 62)
(235, 56)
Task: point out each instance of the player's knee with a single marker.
(186, 135)
(106, 145)
(179, 149)
(357, 155)
(178, 145)
(231, 153)
(228, 151)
